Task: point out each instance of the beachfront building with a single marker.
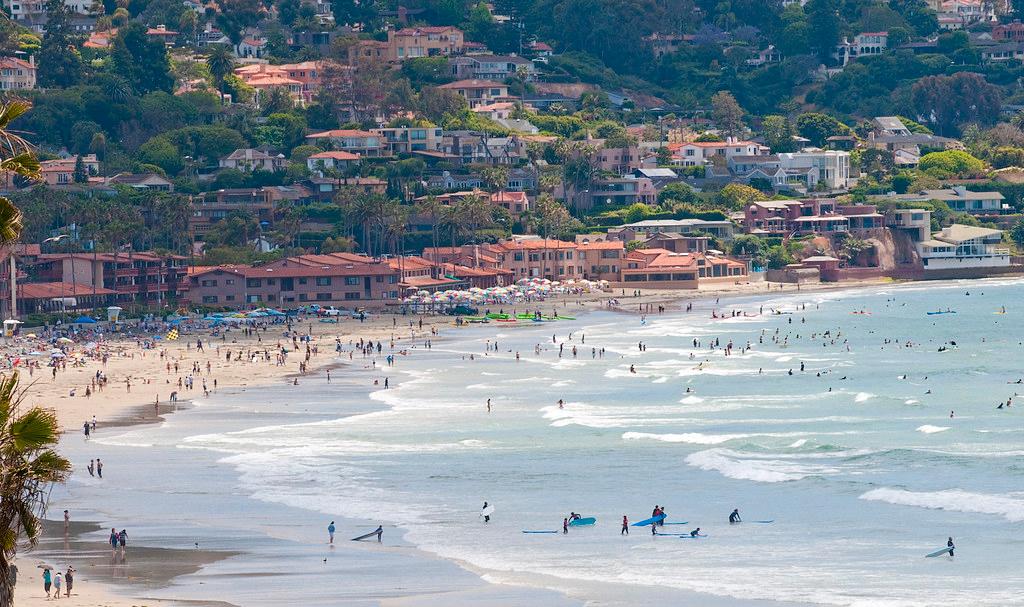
(433, 41)
(249, 159)
(809, 216)
(133, 277)
(963, 247)
(664, 269)
(364, 143)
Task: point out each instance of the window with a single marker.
(323, 281)
(379, 279)
(271, 281)
(209, 299)
(352, 281)
(208, 283)
(392, 279)
(351, 295)
(230, 281)
(303, 297)
(323, 297)
(229, 298)
(302, 281)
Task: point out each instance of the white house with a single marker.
(699, 153)
(830, 167)
(960, 246)
(249, 159)
(335, 159)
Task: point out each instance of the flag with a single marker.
(172, 335)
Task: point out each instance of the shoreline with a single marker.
(132, 414)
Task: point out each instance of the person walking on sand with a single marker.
(47, 581)
(85, 428)
(69, 579)
(380, 532)
(122, 539)
(330, 533)
(92, 467)
(57, 582)
(99, 468)
(67, 522)
(625, 526)
(113, 543)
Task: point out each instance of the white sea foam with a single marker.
(694, 438)
(798, 443)
(956, 500)
(863, 396)
(929, 429)
(691, 400)
(740, 466)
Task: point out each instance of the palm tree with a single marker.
(432, 208)
(221, 63)
(28, 465)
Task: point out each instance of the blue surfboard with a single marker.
(649, 521)
(943, 550)
(524, 531)
(582, 522)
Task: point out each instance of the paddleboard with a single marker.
(649, 521)
(363, 537)
(582, 522)
(944, 550)
(524, 531)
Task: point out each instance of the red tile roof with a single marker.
(51, 290)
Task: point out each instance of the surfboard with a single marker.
(489, 510)
(525, 531)
(941, 312)
(678, 523)
(582, 522)
(649, 521)
(672, 534)
(363, 537)
(943, 550)
(768, 522)
(693, 537)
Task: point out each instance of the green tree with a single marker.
(736, 196)
(818, 127)
(1017, 233)
(950, 101)
(141, 60)
(220, 62)
(29, 464)
(727, 113)
(60, 64)
(824, 27)
(778, 133)
(951, 163)
(80, 175)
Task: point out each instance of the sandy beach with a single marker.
(141, 376)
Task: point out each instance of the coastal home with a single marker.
(623, 160)
(249, 159)
(770, 54)
(916, 222)
(265, 77)
(962, 200)
(963, 247)
(640, 230)
(434, 41)
(332, 160)
(699, 153)
(615, 191)
(324, 189)
(664, 269)
(811, 167)
(251, 47)
(364, 143)
(493, 67)
(61, 171)
(516, 203)
(211, 207)
(142, 181)
(410, 139)
(17, 74)
(540, 258)
(865, 44)
(1009, 32)
(478, 92)
(809, 216)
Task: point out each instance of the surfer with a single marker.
(695, 532)
(565, 525)
(735, 517)
(949, 544)
(487, 517)
(625, 526)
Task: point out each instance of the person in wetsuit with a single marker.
(735, 517)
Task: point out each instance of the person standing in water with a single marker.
(625, 526)
(330, 533)
(380, 532)
(565, 526)
(487, 517)
(735, 517)
(949, 544)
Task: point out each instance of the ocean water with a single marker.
(866, 460)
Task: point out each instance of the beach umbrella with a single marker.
(65, 340)
(85, 320)
(32, 336)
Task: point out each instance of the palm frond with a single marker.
(33, 429)
(25, 164)
(10, 222)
